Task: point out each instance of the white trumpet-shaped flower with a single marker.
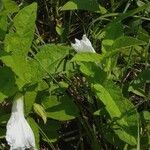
(83, 45)
(19, 134)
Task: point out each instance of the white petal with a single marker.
(19, 135)
(86, 40)
(77, 41)
(87, 48)
(75, 47)
(87, 44)
(18, 106)
(83, 45)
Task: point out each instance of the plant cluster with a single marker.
(78, 93)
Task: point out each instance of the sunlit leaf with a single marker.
(121, 111)
(8, 6)
(18, 43)
(87, 57)
(29, 97)
(48, 60)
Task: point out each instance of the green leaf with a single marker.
(90, 5)
(3, 26)
(61, 108)
(136, 90)
(94, 72)
(113, 31)
(100, 112)
(144, 75)
(42, 85)
(121, 111)
(87, 57)
(35, 130)
(94, 57)
(38, 109)
(146, 115)
(126, 41)
(18, 43)
(19, 66)
(137, 84)
(7, 83)
(8, 6)
(51, 130)
(48, 60)
(143, 35)
(29, 100)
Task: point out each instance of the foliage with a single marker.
(97, 100)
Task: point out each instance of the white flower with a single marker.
(19, 134)
(83, 45)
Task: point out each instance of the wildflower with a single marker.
(83, 45)
(19, 134)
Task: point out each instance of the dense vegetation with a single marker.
(77, 101)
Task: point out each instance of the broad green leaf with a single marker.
(94, 57)
(62, 108)
(7, 83)
(126, 41)
(90, 5)
(38, 109)
(19, 66)
(29, 97)
(121, 111)
(18, 43)
(8, 6)
(121, 43)
(87, 57)
(35, 130)
(94, 72)
(48, 59)
(113, 31)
